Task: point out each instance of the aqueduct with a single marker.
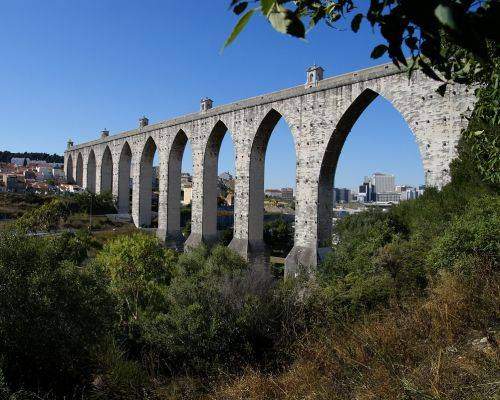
(320, 115)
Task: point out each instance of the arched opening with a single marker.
(179, 191)
(218, 186)
(106, 172)
(124, 180)
(69, 170)
(146, 184)
(91, 171)
(79, 170)
(272, 182)
(376, 144)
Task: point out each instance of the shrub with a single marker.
(117, 377)
(138, 268)
(278, 235)
(474, 232)
(200, 328)
(51, 313)
(85, 202)
(44, 218)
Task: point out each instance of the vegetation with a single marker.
(408, 287)
(13, 205)
(52, 312)
(58, 211)
(278, 236)
(405, 306)
(6, 156)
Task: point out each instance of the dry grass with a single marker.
(425, 349)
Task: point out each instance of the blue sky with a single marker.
(71, 68)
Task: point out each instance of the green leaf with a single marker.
(266, 5)
(356, 21)
(427, 70)
(239, 27)
(285, 21)
(444, 14)
(240, 7)
(379, 51)
(442, 89)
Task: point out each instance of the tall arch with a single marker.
(330, 161)
(146, 183)
(106, 171)
(256, 177)
(91, 172)
(210, 181)
(124, 169)
(69, 170)
(79, 170)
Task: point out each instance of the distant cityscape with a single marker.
(378, 188)
(22, 175)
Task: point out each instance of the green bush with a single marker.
(44, 218)
(139, 269)
(51, 313)
(118, 378)
(476, 232)
(85, 202)
(278, 236)
(205, 311)
(204, 321)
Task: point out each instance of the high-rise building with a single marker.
(366, 191)
(378, 187)
(384, 183)
(409, 194)
(341, 195)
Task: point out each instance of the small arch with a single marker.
(177, 195)
(146, 182)
(124, 184)
(106, 171)
(69, 170)
(91, 172)
(79, 170)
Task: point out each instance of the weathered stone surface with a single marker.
(320, 117)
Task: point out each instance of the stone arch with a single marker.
(173, 228)
(146, 182)
(210, 179)
(106, 171)
(79, 170)
(91, 172)
(69, 170)
(256, 174)
(124, 169)
(331, 156)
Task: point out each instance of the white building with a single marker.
(20, 161)
(384, 183)
(58, 173)
(44, 172)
